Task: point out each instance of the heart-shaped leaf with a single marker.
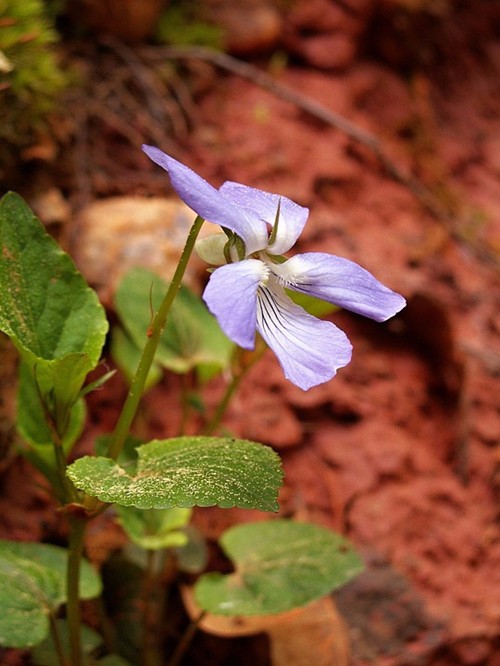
(186, 472)
(33, 586)
(279, 565)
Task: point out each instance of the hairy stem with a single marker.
(137, 386)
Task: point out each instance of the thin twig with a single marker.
(153, 89)
(142, 74)
(266, 81)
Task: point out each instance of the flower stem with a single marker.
(243, 361)
(137, 386)
(76, 536)
(216, 419)
(64, 489)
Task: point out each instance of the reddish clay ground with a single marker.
(400, 451)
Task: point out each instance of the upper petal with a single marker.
(231, 296)
(210, 203)
(265, 205)
(309, 350)
(340, 281)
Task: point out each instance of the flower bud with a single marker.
(211, 249)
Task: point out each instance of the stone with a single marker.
(113, 235)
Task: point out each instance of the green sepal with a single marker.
(274, 231)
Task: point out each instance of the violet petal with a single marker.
(309, 350)
(231, 296)
(340, 281)
(208, 202)
(265, 206)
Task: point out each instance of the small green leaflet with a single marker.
(31, 418)
(279, 565)
(154, 529)
(186, 472)
(33, 427)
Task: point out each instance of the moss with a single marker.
(30, 75)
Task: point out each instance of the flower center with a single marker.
(278, 267)
(265, 273)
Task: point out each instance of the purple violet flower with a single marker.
(247, 293)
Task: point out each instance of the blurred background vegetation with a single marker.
(31, 75)
(35, 70)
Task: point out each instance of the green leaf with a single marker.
(98, 383)
(192, 336)
(52, 316)
(154, 529)
(31, 417)
(186, 472)
(279, 565)
(45, 653)
(32, 586)
(33, 427)
(24, 620)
